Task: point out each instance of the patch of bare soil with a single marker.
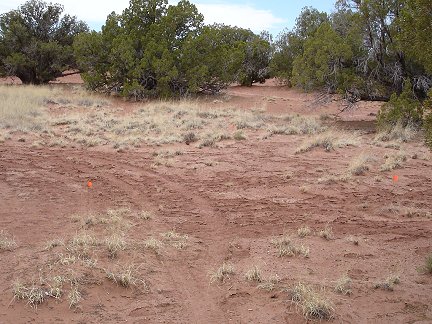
(166, 228)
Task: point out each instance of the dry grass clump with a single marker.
(394, 161)
(254, 274)
(332, 178)
(223, 273)
(427, 267)
(328, 140)
(416, 212)
(343, 285)
(156, 124)
(270, 283)
(37, 294)
(80, 244)
(210, 139)
(53, 244)
(56, 287)
(116, 219)
(359, 165)
(7, 243)
(179, 241)
(115, 243)
(304, 231)
(153, 244)
(22, 107)
(34, 295)
(53, 288)
(3, 136)
(353, 239)
(239, 136)
(145, 215)
(313, 304)
(190, 137)
(388, 283)
(74, 296)
(167, 153)
(85, 220)
(286, 247)
(245, 120)
(83, 239)
(124, 277)
(326, 233)
(397, 133)
(297, 125)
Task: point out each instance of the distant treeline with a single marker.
(365, 49)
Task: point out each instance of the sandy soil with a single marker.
(231, 201)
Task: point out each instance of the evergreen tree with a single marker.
(36, 42)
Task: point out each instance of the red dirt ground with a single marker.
(231, 201)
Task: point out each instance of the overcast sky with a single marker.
(258, 15)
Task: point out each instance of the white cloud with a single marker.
(244, 16)
(94, 10)
(241, 15)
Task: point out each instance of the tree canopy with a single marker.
(154, 49)
(36, 42)
(366, 49)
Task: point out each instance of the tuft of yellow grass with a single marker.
(313, 304)
(359, 165)
(254, 274)
(115, 243)
(22, 107)
(7, 242)
(397, 133)
(49, 245)
(394, 161)
(388, 283)
(153, 244)
(297, 125)
(328, 140)
(326, 233)
(145, 215)
(79, 245)
(427, 268)
(222, 273)
(35, 295)
(353, 239)
(270, 283)
(74, 296)
(179, 241)
(124, 277)
(343, 285)
(304, 231)
(286, 247)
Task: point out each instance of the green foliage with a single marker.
(158, 50)
(416, 29)
(213, 58)
(404, 109)
(257, 55)
(36, 42)
(287, 47)
(290, 44)
(323, 61)
(308, 22)
(139, 53)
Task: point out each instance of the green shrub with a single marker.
(404, 109)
